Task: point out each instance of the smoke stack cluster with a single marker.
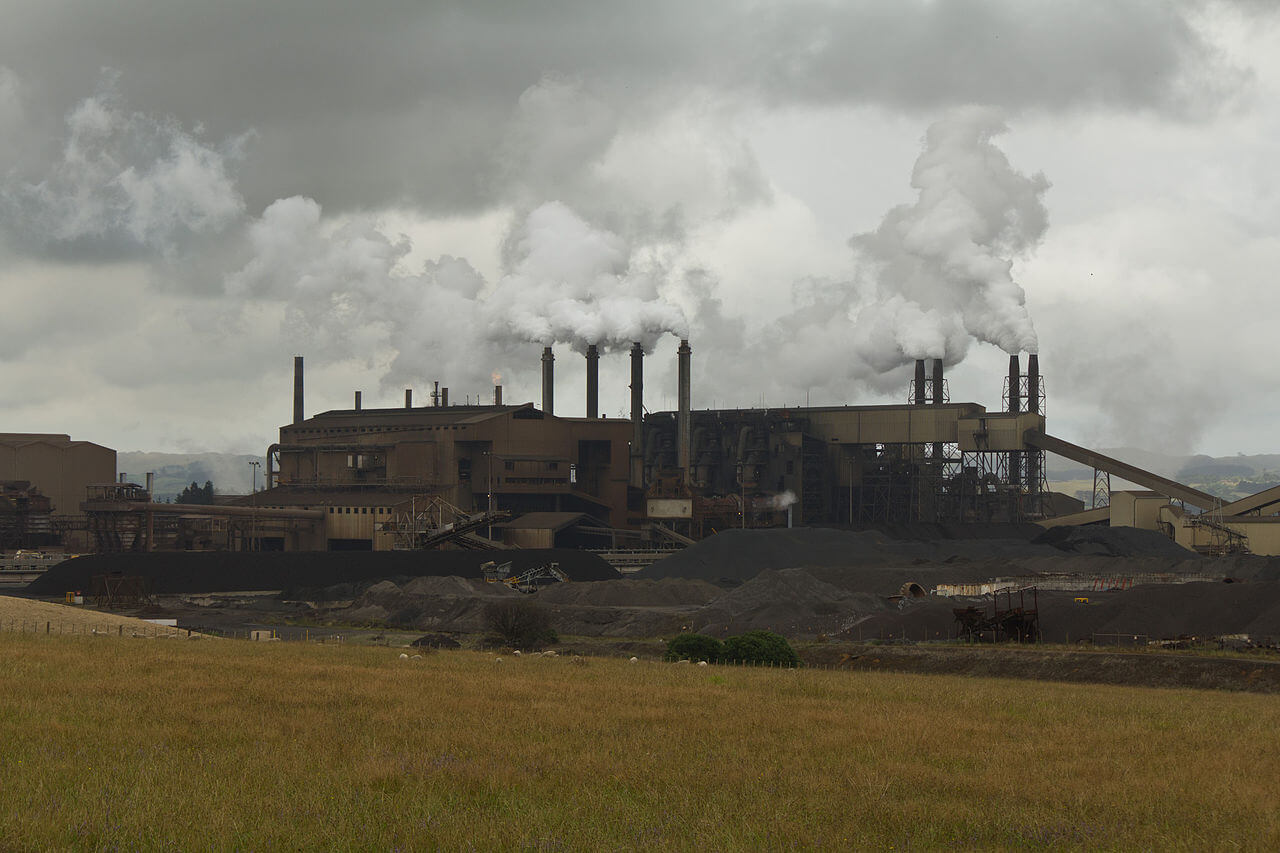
(298, 416)
(593, 381)
(684, 394)
(548, 381)
(637, 416)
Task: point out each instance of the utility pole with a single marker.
(253, 505)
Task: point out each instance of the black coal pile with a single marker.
(447, 603)
(225, 571)
(1113, 542)
(786, 601)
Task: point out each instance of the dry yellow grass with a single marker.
(24, 615)
(240, 745)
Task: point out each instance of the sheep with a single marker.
(682, 660)
(516, 653)
(416, 657)
(635, 659)
(497, 660)
(403, 656)
(702, 663)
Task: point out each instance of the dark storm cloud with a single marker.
(362, 105)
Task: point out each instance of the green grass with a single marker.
(152, 744)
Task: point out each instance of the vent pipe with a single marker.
(298, 416)
(593, 382)
(1015, 385)
(920, 398)
(637, 416)
(1033, 383)
(444, 396)
(684, 393)
(497, 395)
(357, 401)
(548, 381)
(937, 382)
(408, 398)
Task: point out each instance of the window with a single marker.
(509, 465)
(552, 466)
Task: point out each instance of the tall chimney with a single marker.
(937, 382)
(1033, 383)
(593, 382)
(298, 416)
(548, 381)
(497, 395)
(637, 416)
(1015, 385)
(151, 483)
(919, 389)
(444, 396)
(683, 433)
(357, 401)
(408, 398)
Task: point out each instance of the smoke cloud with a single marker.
(942, 267)
(124, 182)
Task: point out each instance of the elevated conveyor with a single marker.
(1123, 470)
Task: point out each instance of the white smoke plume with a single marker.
(941, 268)
(125, 180)
(783, 500)
(580, 285)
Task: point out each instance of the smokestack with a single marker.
(937, 382)
(683, 432)
(497, 395)
(408, 398)
(593, 382)
(1033, 383)
(548, 381)
(444, 396)
(920, 396)
(151, 482)
(1015, 385)
(298, 416)
(357, 401)
(637, 416)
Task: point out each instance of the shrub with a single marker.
(520, 623)
(694, 647)
(763, 647)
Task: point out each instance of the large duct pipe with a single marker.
(408, 398)
(548, 381)
(1015, 385)
(298, 416)
(937, 382)
(920, 398)
(684, 392)
(637, 416)
(497, 395)
(357, 401)
(593, 382)
(1033, 383)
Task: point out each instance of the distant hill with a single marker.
(1228, 477)
(230, 473)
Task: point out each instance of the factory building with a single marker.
(43, 479)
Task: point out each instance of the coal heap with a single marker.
(226, 571)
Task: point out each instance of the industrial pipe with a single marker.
(920, 398)
(937, 382)
(637, 416)
(357, 401)
(1033, 383)
(497, 395)
(548, 381)
(444, 396)
(298, 416)
(593, 381)
(1015, 385)
(408, 398)
(684, 395)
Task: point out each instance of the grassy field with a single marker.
(150, 744)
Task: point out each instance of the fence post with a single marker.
(48, 628)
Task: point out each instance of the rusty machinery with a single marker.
(1011, 618)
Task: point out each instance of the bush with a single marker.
(764, 647)
(520, 624)
(694, 647)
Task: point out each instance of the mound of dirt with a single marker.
(668, 592)
(1114, 542)
(225, 571)
(791, 602)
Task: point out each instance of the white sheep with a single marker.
(702, 663)
(403, 656)
(516, 653)
(497, 660)
(682, 660)
(635, 659)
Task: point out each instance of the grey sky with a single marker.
(192, 192)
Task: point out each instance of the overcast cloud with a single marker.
(815, 193)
